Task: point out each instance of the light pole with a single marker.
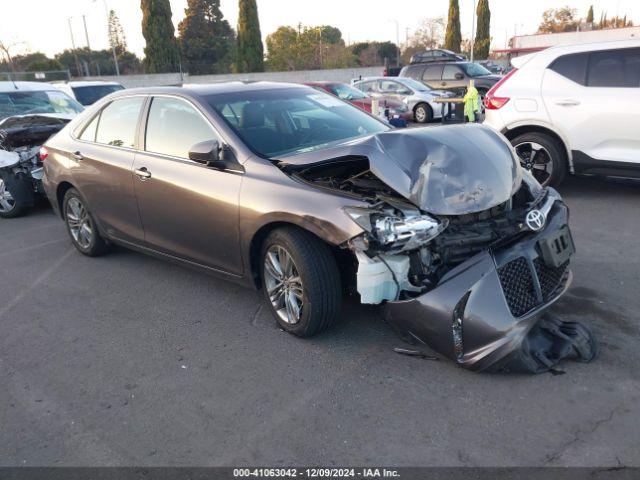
(397, 41)
(113, 47)
(473, 28)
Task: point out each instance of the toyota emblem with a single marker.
(535, 220)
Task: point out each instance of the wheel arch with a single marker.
(61, 191)
(513, 132)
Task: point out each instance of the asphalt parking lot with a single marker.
(127, 360)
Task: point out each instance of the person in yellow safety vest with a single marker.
(471, 102)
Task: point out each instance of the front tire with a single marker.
(300, 281)
(9, 208)
(422, 113)
(81, 225)
(543, 156)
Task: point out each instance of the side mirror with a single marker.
(459, 76)
(212, 154)
(205, 152)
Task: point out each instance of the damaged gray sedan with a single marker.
(295, 192)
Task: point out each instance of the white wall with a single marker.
(338, 75)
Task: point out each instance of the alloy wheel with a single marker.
(537, 159)
(283, 284)
(79, 223)
(7, 203)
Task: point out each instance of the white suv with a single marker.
(572, 108)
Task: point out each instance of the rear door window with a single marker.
(573, 67)
(89, 132)
(174, 126)
(614, 68)
(118, 122)
(450, 72)
(432, 72)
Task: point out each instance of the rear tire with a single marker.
(548, 149)
(311, 281)
(422, 113)
(81, 226)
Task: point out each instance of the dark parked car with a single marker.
(451, 75)
(288, 189)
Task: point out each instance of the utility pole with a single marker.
(473, 28)
(397, 41)
(73, 45)
(86, 36)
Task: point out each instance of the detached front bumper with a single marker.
(481, 311)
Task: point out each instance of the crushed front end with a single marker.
(465, 249)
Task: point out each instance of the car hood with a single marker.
(33, 119)
(447, 170)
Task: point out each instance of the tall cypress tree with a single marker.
(453, 37)
(590, 14)
(161, 51)
(250, 56)
(482, 41)
(207, 40)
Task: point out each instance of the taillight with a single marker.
(43, 154)
(493, 102)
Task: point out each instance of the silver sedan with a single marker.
(418, 97)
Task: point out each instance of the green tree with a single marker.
(100, 61)
(250, 56)
(117, 39)
(206, 39)
(590, 14)
(482, 41)
(556, 20)
(307, 48)
(453, 37)
(161, 51)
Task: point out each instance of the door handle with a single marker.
(443, 83)
(568, 102)
(142, 173)
(77, 156)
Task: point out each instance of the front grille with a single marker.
(550, 278)
(518, 284)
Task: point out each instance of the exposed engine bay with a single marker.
(21, 160)
(405, 249)
(465, 248)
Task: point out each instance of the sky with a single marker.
(43, 25)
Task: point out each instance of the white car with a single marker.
(88, 92)
(572, 109)
(418, 97)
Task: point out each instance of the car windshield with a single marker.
(280, 122)
(92, 93)
(346, 92)
(474, 70)
(415, 85)
(24, 103)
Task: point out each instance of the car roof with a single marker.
(25, 87)
(547, 55)
(86, 83)
(195, 89)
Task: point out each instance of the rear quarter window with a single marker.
(573, 67)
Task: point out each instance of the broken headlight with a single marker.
(394, 232)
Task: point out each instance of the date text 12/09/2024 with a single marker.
(315, 473)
